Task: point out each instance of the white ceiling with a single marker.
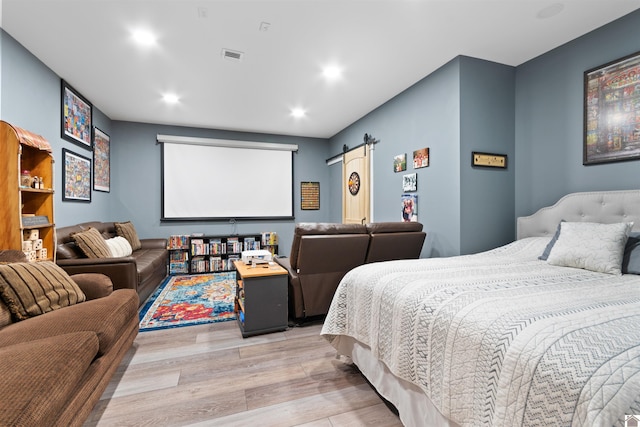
(382, 46)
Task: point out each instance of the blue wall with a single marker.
(30, 98)
(465, 106)
(549, 119)
(487, 195)
(425, 115)
(533, 113)
(136, 181)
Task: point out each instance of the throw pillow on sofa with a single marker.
(33, 288)
(119, 247)
(91, 243)
(128, 231)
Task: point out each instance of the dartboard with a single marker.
(354, 183)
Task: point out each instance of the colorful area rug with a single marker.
(190, 300)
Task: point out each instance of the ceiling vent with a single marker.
(232, 55)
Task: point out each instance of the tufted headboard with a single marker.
(595, 206)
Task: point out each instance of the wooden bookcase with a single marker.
(211, 254)
(22, 150)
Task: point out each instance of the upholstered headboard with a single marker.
(596, 206)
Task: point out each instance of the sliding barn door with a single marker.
(356, 186)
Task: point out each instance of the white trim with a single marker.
(371, 175)
(173, 139)
(335, 159)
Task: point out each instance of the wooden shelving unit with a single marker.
(22, 150)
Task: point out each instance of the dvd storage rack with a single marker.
(209, 254)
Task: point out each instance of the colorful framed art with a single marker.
(400, 162)
(612, 111)
(77, 117)
(421, 158)
(76, 177)
(101, 161)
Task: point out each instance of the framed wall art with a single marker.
(488, 160)
(410, 182)
(101, 161)
(409, 208)
(612, 111)
(400, 162)
(421, 158)
(77, 116)
(76, 177)
(309, 196)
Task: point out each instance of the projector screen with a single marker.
(226, 180)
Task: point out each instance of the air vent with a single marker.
(232, 55)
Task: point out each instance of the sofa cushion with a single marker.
(31, 289)
(92, 243)
(36, 389)
(106, 317)
(128, 231)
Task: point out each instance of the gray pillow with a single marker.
(554, 239)
(631, 259)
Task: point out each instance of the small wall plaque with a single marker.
(489, 160)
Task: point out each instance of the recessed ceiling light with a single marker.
(332, 72)
(170, 98)
(550, 11)
(144, 37)
(298, 112)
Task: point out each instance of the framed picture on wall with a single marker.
(400, 162)
(409, 207)
(76, 177)
(77, 116)
(410, 182)
(421, 158)
(101, 161)
(612, 111)
(310, 196)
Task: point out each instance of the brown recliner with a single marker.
(321, 254)
(394, 240)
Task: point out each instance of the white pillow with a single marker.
(591, 246)
(119, 247)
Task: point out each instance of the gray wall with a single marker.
(30, 98)
(465, 106)
(136, 181)
(487, 125)
(549, 119)
(425, 115)
(533, 114)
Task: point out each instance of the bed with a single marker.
(504, 338)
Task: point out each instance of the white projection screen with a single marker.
(208, 179)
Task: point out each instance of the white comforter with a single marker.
(501, 338)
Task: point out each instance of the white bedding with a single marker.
(500, 338)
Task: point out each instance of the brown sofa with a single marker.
(322, 253)
(55, 366)
(143, 271)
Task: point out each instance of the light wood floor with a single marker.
(210, 376)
